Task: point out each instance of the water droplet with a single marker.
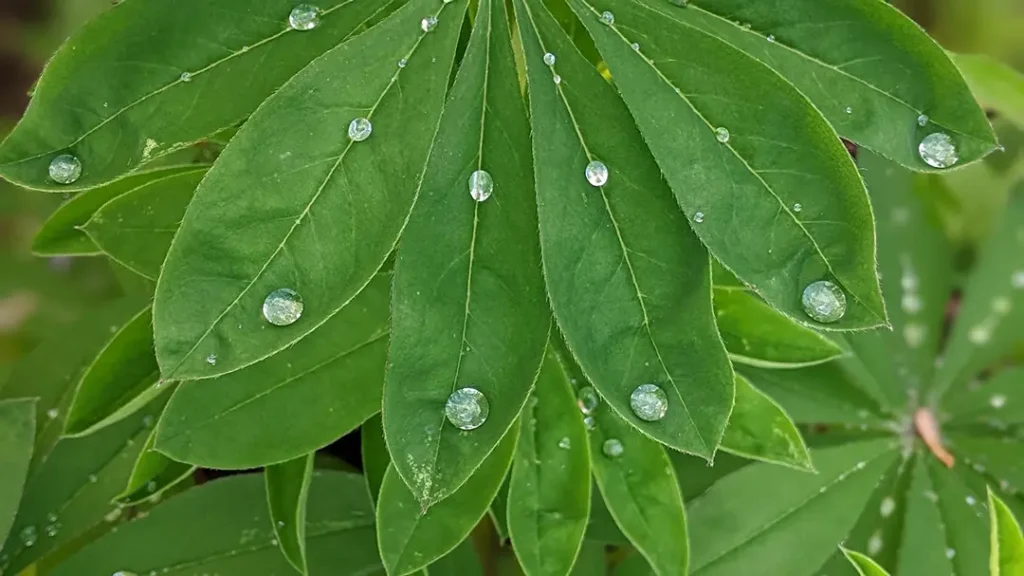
(93, 478)
(147, 421)
(28, 536)
(797, 207)
(124, 573)
(922, 120)
(979, 335)
(887, 507)
(589, 423)
(467, 408)
(997, 401)
(565, 443)
(911, 303)
(587, 399)
(914, 334)
(151, 486)
(849, 110)
(52, 413)
(608, 18)
(722, 134)
(938, 150)
(612, 448)
(428, 23)
(481, 185)
(635, 46)
(1017, 280)
(771, 38)
(211, 359)
(950, 553)
(304, 17)
(65, 169)
(698, 217)
(1002, 305)
(649, 402)
(597, 173)
(280, 523)
(824, 301)
(875, 544)
(360, 129)
(556, 79)
(186, 77)
(549, 59)
(282, 307)
(403, 62)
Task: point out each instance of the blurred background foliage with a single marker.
(39, 296)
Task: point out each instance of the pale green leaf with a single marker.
(153, 475)
(865, 566)
(779, 153)
(289, 197)
(998, 401)
(996, 85)
(287, 494)
(761, 430)
(1007, 541)
(17, 440)
(634, 307)
(817, 395)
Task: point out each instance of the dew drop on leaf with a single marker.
(211, 359)
(428, 23)
(565, 443)
(467, 408)
(403, 62)
(304, 17)
(824, 302)
(938, 150)
(797, 207)
(589, 423)
(997, 401)
(65, 169)
(557, 79)
(887, 507)
(875, 544)
(549, 59)
(771, 38)
(950, 553)
(481, 185)
(597, 172)
(282, 307)
(28, 536)
(722, 134)
(635, 46)
(52, 413)
(587, 399)
(1017, 280)
(608, 18)
(612, 448)
(698, 217)
(649, 402)
(186, 77)
(360, 129)
(922, 120)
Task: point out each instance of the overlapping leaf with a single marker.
(1007, 541)
(17, 440)
(287, 494)
(293, 202)
(634, 307)
(469, 309)
(865, 566)
(766, 182)
(153, 475)
(995, 84)
(817, 395)
(761, 430)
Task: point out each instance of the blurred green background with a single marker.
(39, 296)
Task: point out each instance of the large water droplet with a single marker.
(608, 18)
(722, 134)
(938, 150)
(587, 399)
(360, 129)
(481, 185)
(467, 408)
(612, 448)
(428, 23)
(597, 173)
(28, 536)
(824, 301)
(65, 169)
(649, 402)
(304, 17)
(549, 59)
(282, 307)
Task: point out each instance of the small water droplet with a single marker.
(403, 62)
(590, 423)
(722, 134)
(467, 408)
(565, 443)
(849, 110)
(124, 573)
(556, 79)
(147, 421)
(797, 207)
(887, 507)
(698, 217)
(65, 169)
(861, 465)
(914, 334)
(282, 307)
(979, 335)
(635, 46)
(587, 399)
(1002, 305)
(304, 17)
(911, 303)
(950, 553)
(824, 302)
(649, 402)
(997, 401)
(186, 77)
(875, 544)
(151, 486)
(771, 38)
(938, 150)
(549, 59)
(597, 173)
(280, 523)
(28, 536)
(428, 23)
(93, 478)
(1017, 280)
(480, 185)
(52, 413)
(360, 129)
(211, 359)
(612, 448)
(922, 120)
(608, 18)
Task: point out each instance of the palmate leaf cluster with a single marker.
(549, 202)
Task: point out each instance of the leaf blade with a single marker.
(761, 430)
(1007, 541)
(17, 440)
(287, 493)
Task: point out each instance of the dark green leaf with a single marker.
(469, 309)
(462, 561)
(1007, 541)
(738, 530)
(755, 334)
(375, 456)
(17, 439)
(868, 68)
(153, 475)
(601, 526)
(118, 104)
(998, 86)
(634, 307)
(696, 477)
(549, 493)
(1000, 457)
(817, 395)
(287, 494)
(123, 372)
(761, 430)
(223, 527)
(498, 511)
(136, 228)
(62, 235)
(780, 152)
(411, 538)
(291, 194)
(294, 403)
(865, 566)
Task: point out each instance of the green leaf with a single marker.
(999, 400)
(411, 537)
(498, 511)
(118, 104)
(821, 394)
(780, 153)
(634, 308)
(223, 527)
(761, 430)
(1007, 541)
(549, 493)
(870, 70)
(737, 530)
(135, 229)
(469, 309)
(291, 193)
(865, 566)
(17, 439)
(462, 561)
(287, 494)
(755, 334)
(153, 475)
(124, 371)
(998, 86)
(375, 456)
(294, 403)
(992, 310)
(601, 526)
(62, 234)
(999, 456)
